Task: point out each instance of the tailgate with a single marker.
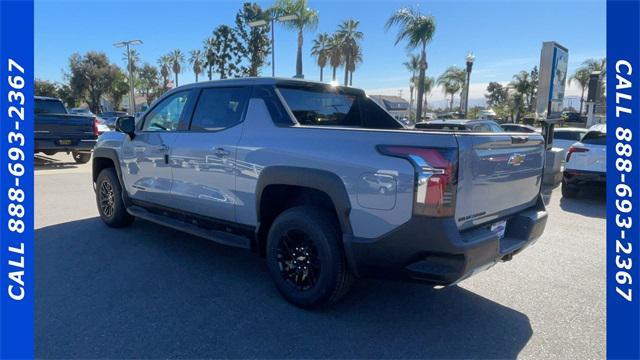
(498, 175)
(57, 126)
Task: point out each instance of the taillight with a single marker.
(436, 177)
(574, 149)
(95, 126)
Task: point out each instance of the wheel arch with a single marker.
(104, 158)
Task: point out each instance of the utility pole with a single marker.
(132, 96)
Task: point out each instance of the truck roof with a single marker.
(46, 98)
(260, 81)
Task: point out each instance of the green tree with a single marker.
(255, 42)
(452, 81)
(581, 77)
(119, 88)
(67, 95)
(196, 59)
(45, 88)
(91, 76)
(306, 19)
(596, 65)
(417, 29)
(534, 77)
(350, 37)
(177, 60)
(497, 97)
(320, 50)
(224, 53)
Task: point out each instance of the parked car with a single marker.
(57, 131)
(565, 137)
(519, 128)
(586, 163)
(572, 116)
(461, 125)
(81, 111)
(109, 117)
(322, 182)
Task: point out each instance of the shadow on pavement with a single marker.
(43, 162)
(148, 291)
(591, 204)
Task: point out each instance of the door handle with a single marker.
(220, 152)
(163, 147)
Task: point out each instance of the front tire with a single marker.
(306, 259)
(111, 207)
(81, 157)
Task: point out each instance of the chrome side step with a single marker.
(218, 236)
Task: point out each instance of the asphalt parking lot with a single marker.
(152, 292)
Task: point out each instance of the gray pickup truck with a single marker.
(323, 183)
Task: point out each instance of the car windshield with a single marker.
(49, 107)
(594, 138)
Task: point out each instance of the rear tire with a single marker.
(568, 191)
(306, 259)
(81, 157)
(111, 207)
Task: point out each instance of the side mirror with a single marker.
(127, 125)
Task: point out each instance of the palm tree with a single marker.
(451, 81)
(210, 55)
(320, 50)
(522, 84)
(417, 29)
(581, 76)
(336, 58)
(355, 59)
(596, 65)
(132, 59)
(177, 59)
(306, 19)
(413, 65)
(165, 69)
(428, 86)
(197, 61)
(350, 36)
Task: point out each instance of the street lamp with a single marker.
(264, 22)
(470, 58)
(132, 96)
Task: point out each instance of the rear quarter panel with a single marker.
(351, 154)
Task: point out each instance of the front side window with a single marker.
(219, 108)
(166, 115)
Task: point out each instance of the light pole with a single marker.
(272, 20)
(132, 96)
(470, 58)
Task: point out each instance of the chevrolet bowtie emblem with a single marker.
(516, 159)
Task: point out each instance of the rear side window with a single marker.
(595, 138)
(322, 107)
(49, 107)
(219, 108)
(329, 106)
(567, 135)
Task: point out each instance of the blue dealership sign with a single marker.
(16, 179)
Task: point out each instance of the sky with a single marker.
(505, 36)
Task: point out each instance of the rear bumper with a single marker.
(584, 178)
(435, 251)
(55, 145)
